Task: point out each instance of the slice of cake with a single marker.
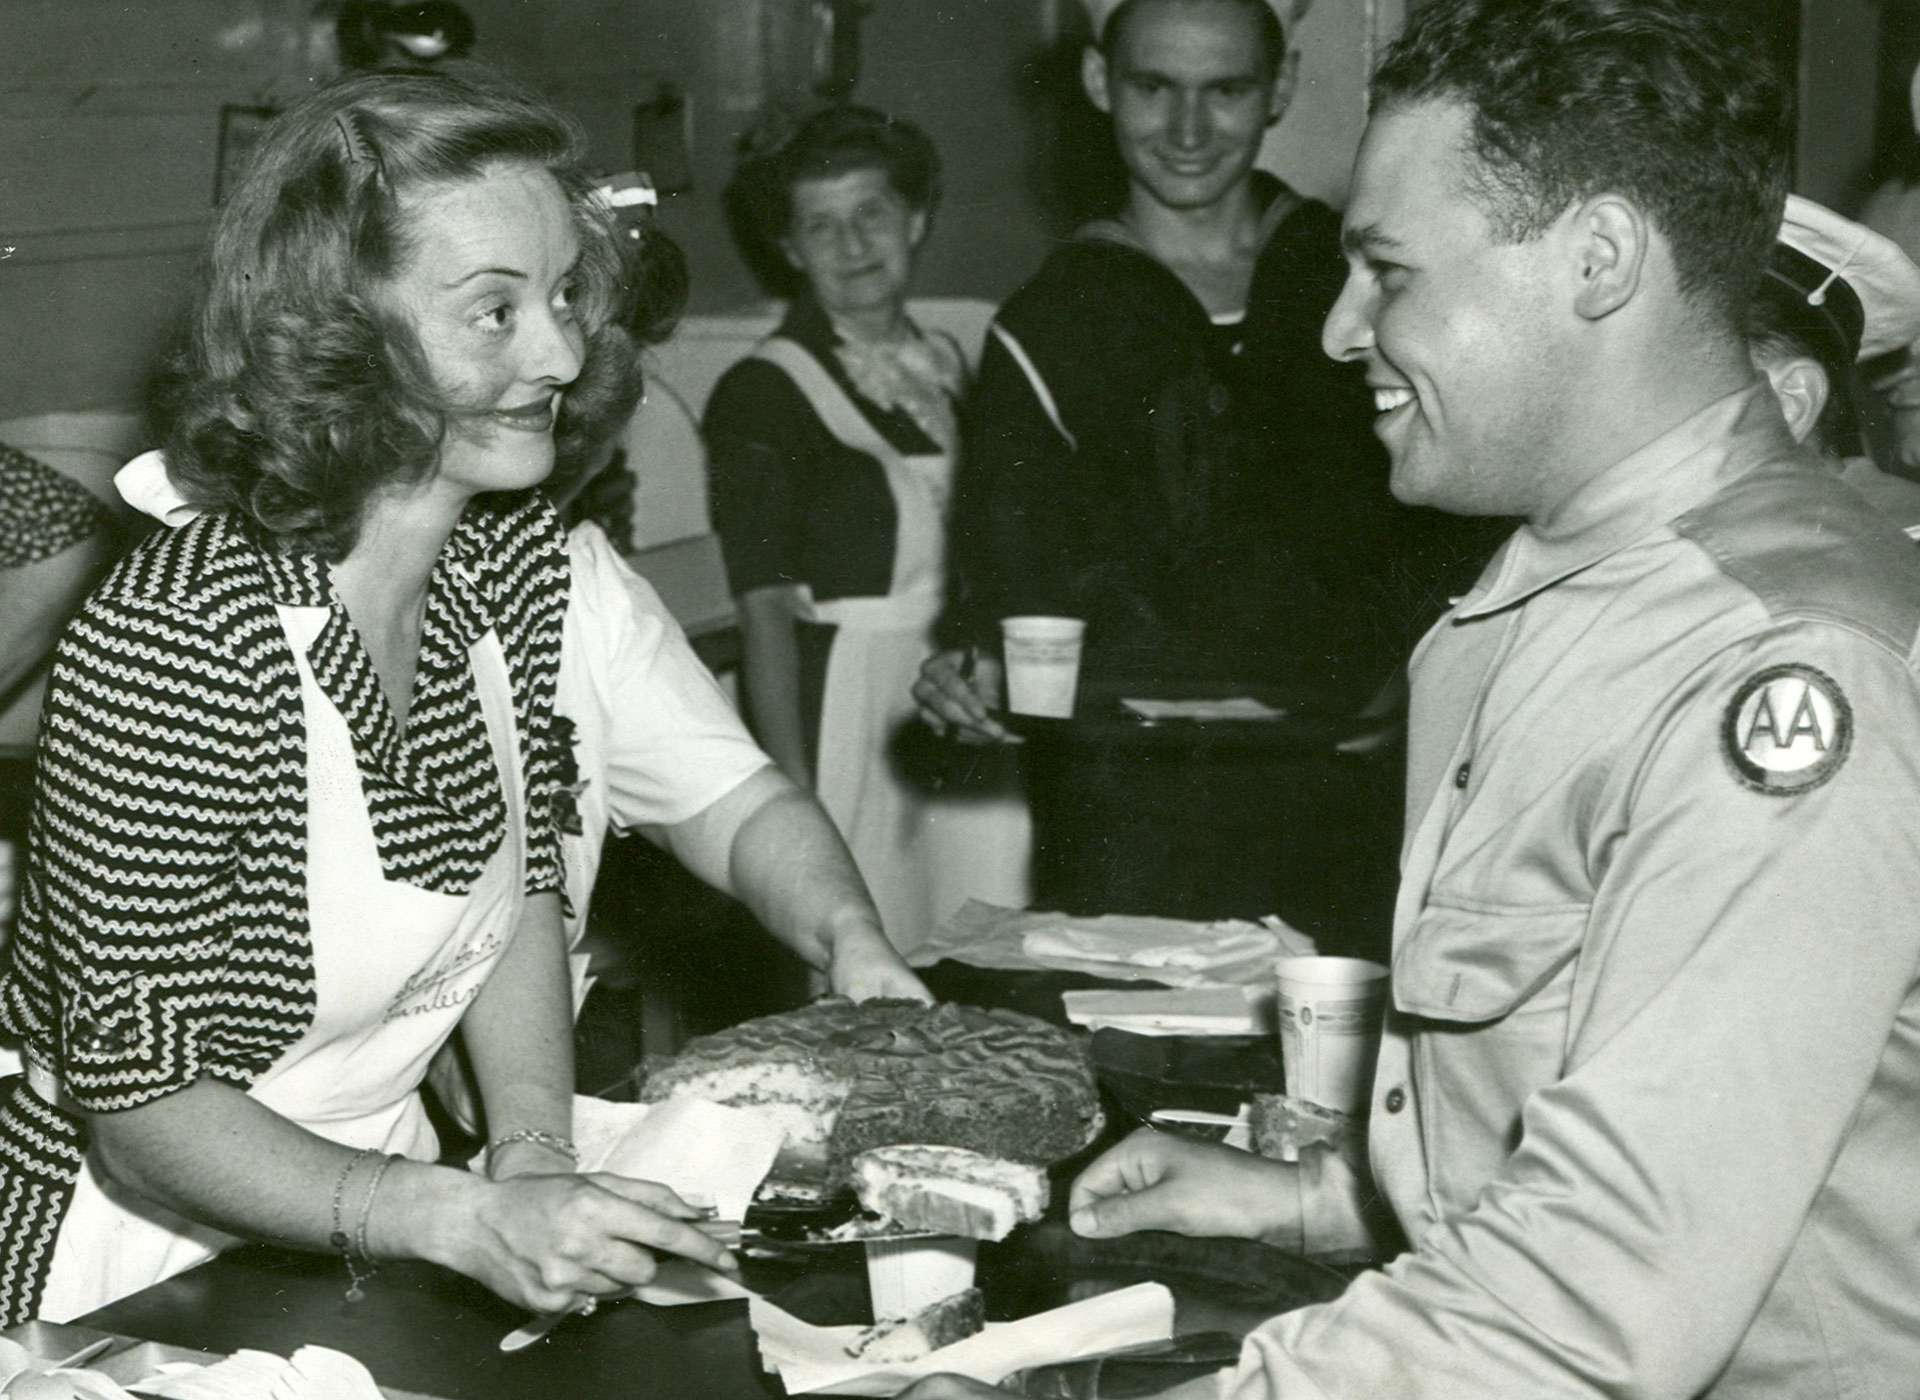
(951, 1190)
(937, 1325)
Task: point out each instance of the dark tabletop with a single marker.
(425, 1330)
(1306, 726)
(421, 1328)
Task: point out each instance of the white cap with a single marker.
(1100, 11)
(1865, 288)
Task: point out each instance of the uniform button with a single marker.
(1396, 1099)
(1461, 774)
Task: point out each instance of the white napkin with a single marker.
(1123, 947)
(814, 1360)
(1238, 707)
(17, 1361)
(704, 1151)
(681, 1281)
(1193, 1011)
(311, 1373)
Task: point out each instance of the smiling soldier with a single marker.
(1646, 1105)
(1157, 445)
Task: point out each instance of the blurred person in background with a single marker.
(832, 452)
(1835, 294)
(55, 539)
(1157, 445)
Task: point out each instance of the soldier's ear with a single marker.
(1610, 239)
(1093, 77)
(1802, 388)
(1285, 82)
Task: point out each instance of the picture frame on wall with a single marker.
(241, 126)
(663, 139)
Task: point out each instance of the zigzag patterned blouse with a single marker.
(163, 926)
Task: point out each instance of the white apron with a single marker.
(923, 852)
(394, 968)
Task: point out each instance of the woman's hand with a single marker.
(958, 699)
(1155, 1181)
(548, 1242)
(863, 964)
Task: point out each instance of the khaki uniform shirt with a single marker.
(1648, 1104)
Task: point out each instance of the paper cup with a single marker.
(1329, 1011)
(905, 1276)
(1043, 664)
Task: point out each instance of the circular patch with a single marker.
(1788, 729)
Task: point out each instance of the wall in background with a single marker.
(1312, 147)
(109, 122)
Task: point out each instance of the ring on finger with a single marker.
(587, 1304)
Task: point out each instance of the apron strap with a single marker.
(837, 411)
(920, 484)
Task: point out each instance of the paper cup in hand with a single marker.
(1043, 664)
(1329, 1010)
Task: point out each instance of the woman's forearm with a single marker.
(773, 847)
(771, 671)
(215, 1155)
(519, 1037)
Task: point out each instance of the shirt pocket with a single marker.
(1475, 963)
(1492, 987)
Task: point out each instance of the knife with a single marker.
(524, 1336)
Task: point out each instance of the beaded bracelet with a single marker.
(553, 1142)
(360, 1229)
(340, 1239)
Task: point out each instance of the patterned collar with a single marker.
(436, 774)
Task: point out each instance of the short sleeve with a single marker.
(671, 742)
(42, 513)
(148, 773)
(754, 424)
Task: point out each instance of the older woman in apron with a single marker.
(832, 454)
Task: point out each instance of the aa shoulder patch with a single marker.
(1787, 729)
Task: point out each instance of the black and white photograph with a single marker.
(955, 698)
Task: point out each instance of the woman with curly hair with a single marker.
(300, 778)
(832, 450)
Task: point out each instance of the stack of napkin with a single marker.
(1193, 1011)
(1123, 947)
(24, 1374)
(814, 1361)
(311, 1373)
